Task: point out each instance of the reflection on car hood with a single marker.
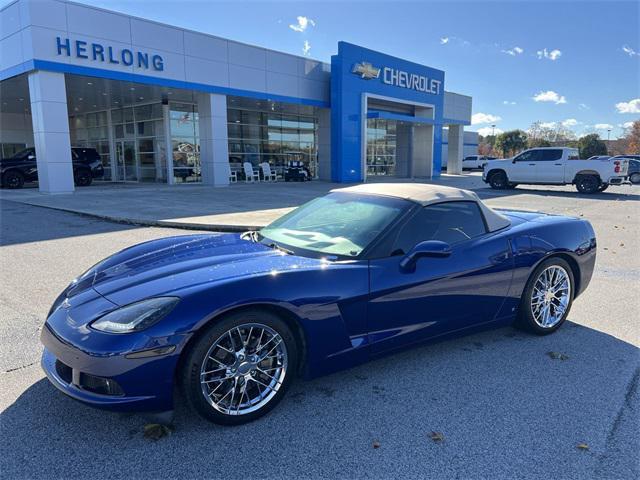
(166, 266)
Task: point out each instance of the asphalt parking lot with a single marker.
(504, 407)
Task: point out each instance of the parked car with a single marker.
(22, 167)
(555, 166)
(232, 319)
(599, 157)
(634, 167)
(475, 161)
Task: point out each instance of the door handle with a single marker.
(532, 164)
(558, 164)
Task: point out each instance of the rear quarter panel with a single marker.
(544, 236)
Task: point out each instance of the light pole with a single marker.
(493, 130)
(608, 139)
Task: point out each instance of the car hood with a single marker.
(173, 265)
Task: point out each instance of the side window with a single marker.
(573, 155)
(528, 156)
(450, 222)
(550, 155)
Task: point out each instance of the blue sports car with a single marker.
(232, 319)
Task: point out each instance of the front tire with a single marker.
(498, 180)
(635, 178)
(547, 298)
(240, 367)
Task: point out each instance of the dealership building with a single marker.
(165, 104)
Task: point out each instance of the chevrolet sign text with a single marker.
(420, 83)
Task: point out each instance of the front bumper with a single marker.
(135, 385)
(97, 172)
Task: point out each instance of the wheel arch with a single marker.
(496, 170)
(290, 318)
(575, 268)
(585, 173)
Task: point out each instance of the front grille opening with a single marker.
(64, 371)
(100, 385)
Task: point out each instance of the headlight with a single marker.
(136, 316)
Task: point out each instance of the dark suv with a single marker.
(22, 167)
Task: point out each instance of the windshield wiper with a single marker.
(275, 246)
(252, 235)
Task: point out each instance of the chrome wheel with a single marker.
(550, 296)
(244, 369)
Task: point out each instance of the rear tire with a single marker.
(229, 352)
(547, 298)
(13, 179)
(635, 178)
(498, 180)
(588, 183)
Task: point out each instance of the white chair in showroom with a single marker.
(250, 175)
(233, 176)
(267, 174)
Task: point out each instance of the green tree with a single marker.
(538, 142)
(591, 145)
(511, 142)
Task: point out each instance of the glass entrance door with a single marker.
(126, 165)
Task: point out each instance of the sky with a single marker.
(573, 63)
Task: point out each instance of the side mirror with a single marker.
(429, 248)
(513, 161)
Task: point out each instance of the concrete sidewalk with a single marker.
(238, 207)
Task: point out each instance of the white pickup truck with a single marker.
(555, 166)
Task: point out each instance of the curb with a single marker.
(151, 223)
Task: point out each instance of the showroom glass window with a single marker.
(381, 147)
(185, 143)
(139, 143)
(91, 130)
(273, 132)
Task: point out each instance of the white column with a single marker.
(324, 144)
(168, 145)
(455, 149)
(50, 120)
(214, 143)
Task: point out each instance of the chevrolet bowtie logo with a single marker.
(366, 70)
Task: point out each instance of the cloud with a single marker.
(550, 55)
(478, 118)
(513, 51)
(548, 124)
(626, 125)
(456, 40)
(486, 131)
(303, 23)
(306, 48)
(630, 51)
(507, 102)
(584, 106)
(569, 122)
(632, 106)
(549, 96)
(603, 126)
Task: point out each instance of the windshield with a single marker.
(22, 154)
(337, 224)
